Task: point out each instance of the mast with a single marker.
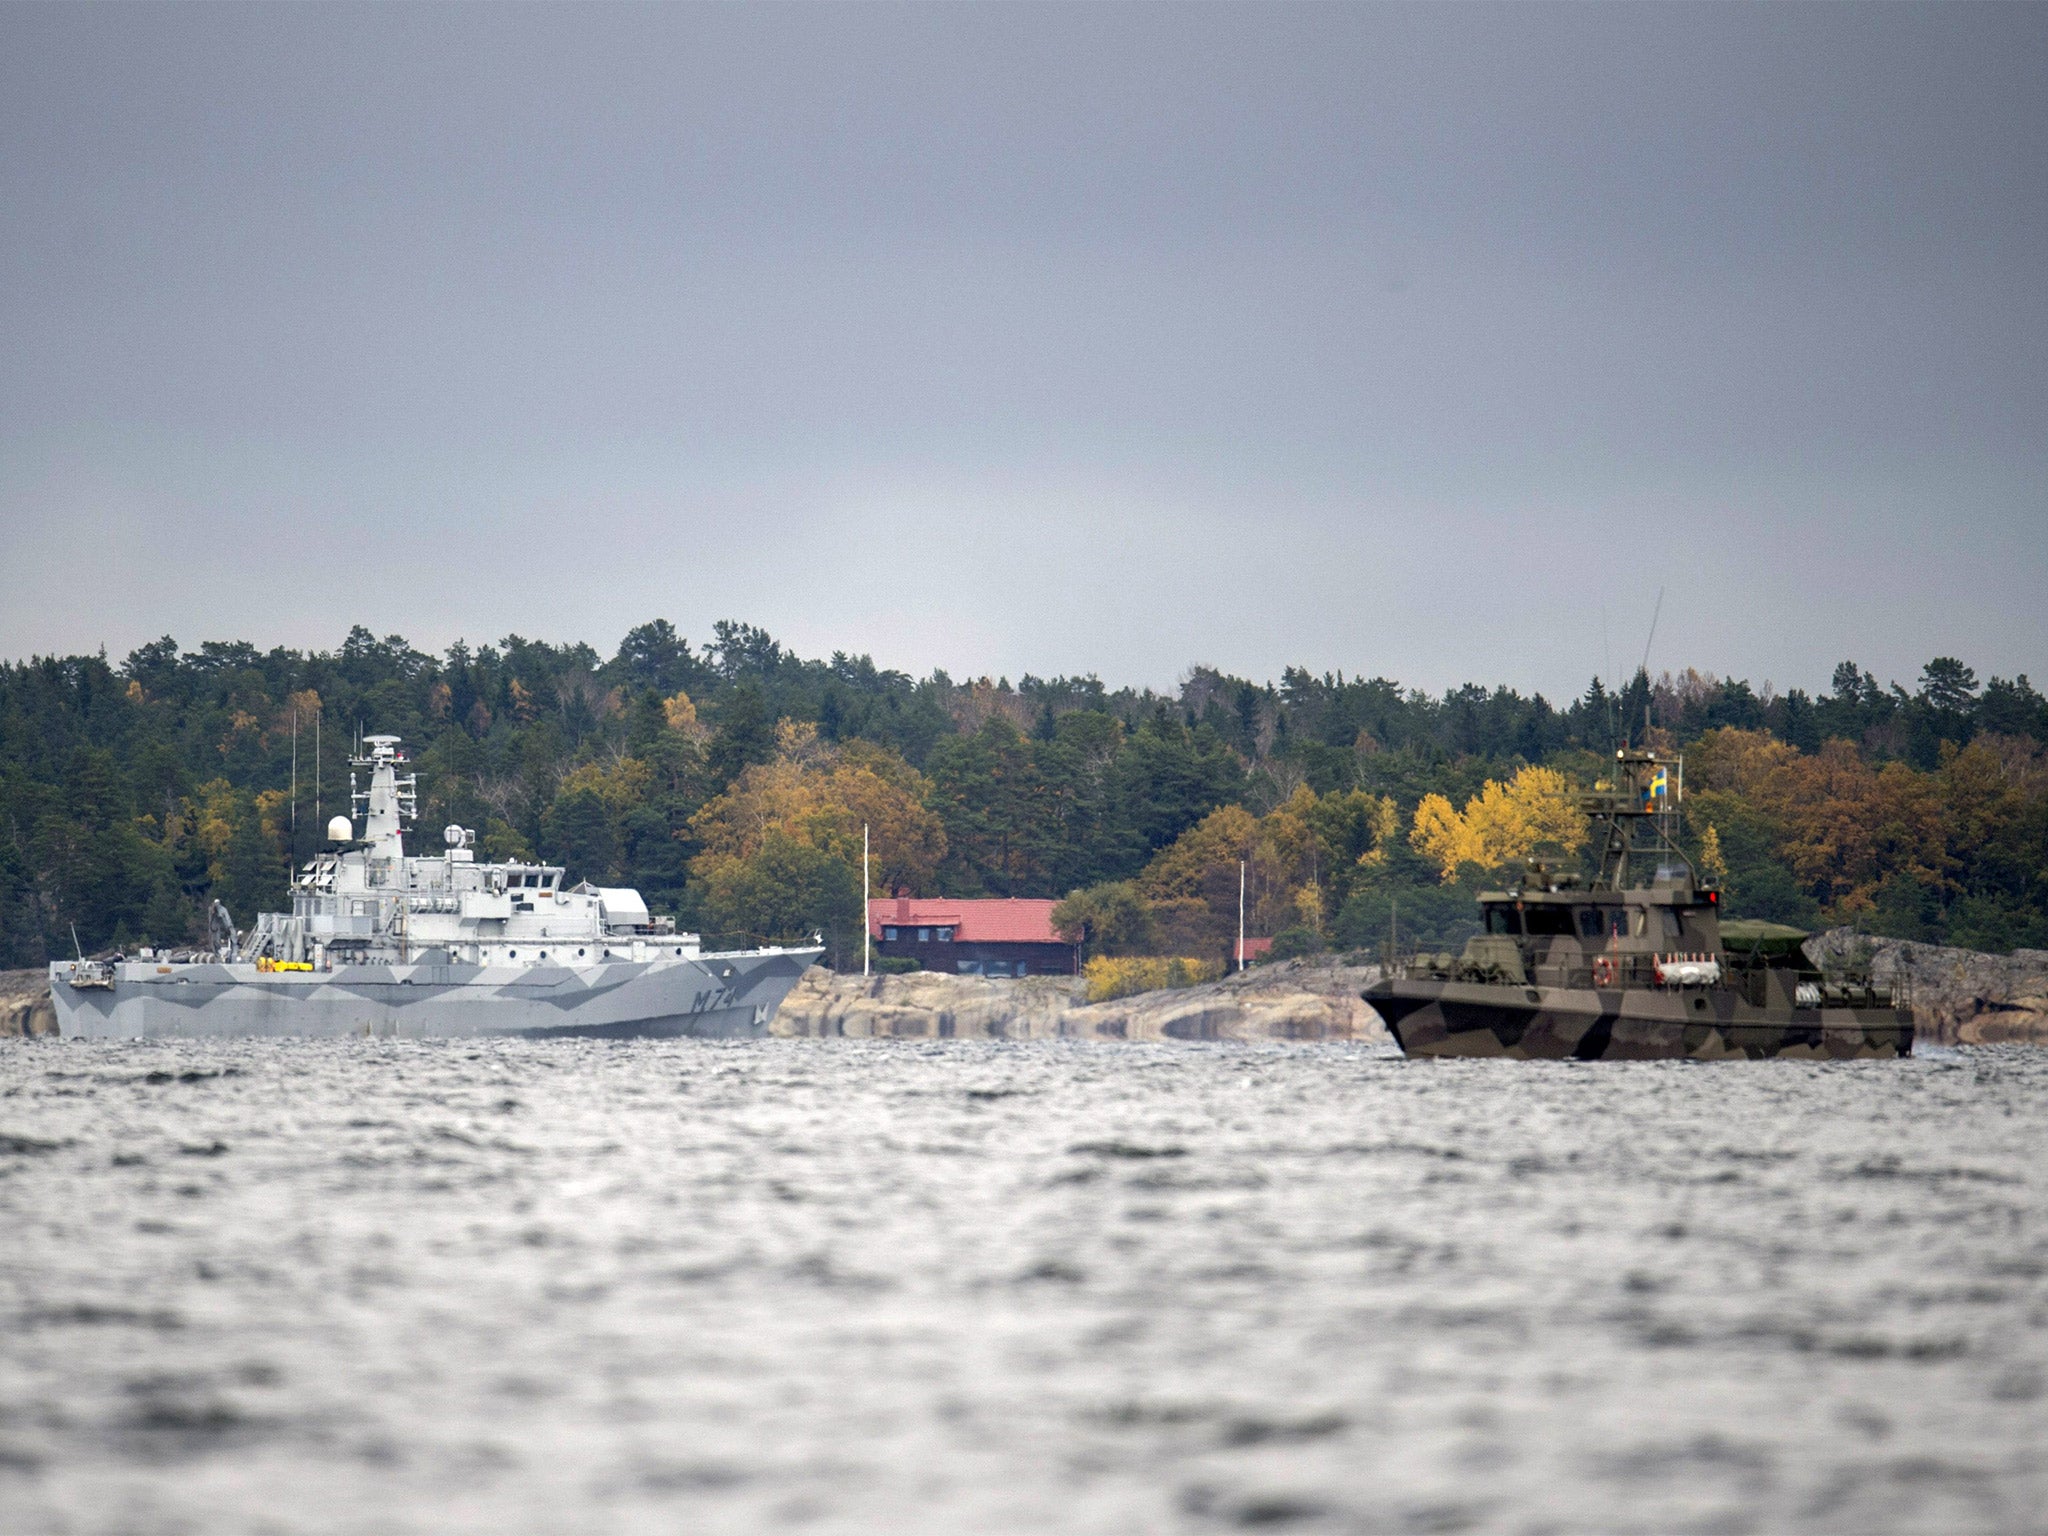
(389, 803)
(1638, 813)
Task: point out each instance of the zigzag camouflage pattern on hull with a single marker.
(1592, 1026)
(711, 996)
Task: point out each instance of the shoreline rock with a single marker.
(1960, 997)
(25, 1007)
(1294, 1000)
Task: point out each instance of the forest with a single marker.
(730, 781)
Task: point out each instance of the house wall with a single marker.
(1039, 959)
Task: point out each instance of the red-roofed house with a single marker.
(1011, 937)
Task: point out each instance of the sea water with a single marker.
(1046, 1286)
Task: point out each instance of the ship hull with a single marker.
(1557, 1024)
(713, 996)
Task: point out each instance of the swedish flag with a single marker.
(1659, 788)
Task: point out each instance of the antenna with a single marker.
(74, 942)
(295, 775)
(1655, 614)
(1607, 665)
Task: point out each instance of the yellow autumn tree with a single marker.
(210, 814)
(1299, 861)
(621, 785)
(1713, 862)
(1742, 763)
(1849, 827)
(820, 796)
(1190, 887)
(273, 814)
(1202, 855)
(782, 846)
(680, 713)
(1531, 813)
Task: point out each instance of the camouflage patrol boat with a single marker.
(1613, 970)
(381, 944)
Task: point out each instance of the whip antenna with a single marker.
(1655, 614)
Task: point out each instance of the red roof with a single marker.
(1257, 949)
(1017, 920)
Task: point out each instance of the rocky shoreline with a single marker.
(25, 1004)
(1959, 997)
(1295, 1000)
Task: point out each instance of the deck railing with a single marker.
(1602, 973)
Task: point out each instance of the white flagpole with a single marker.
(864, 898)
(1240, 914)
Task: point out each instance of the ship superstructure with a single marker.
(382, 943)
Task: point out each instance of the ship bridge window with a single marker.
(1591, 924)
(1503, 920)
(1548, 921)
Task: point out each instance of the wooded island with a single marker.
(730, 781)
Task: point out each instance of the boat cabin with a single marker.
(1623, 922)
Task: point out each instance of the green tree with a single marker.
(252, 872)
(576, 832)
(745, 735)
(1164, 779)
(782, 893)
(1108, 919)
(1002, 819)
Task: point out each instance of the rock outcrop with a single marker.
(926, 1004)
(25, 1004)
(1291, 1001)
(1959, 996)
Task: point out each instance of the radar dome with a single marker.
(452, 835)
(339, 830)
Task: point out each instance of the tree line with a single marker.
(729, 780)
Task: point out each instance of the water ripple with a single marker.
(928, 1286)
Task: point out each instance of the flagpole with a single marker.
(864, 898)
(1240, 914)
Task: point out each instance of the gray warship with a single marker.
(1620, 970)
(379, 943)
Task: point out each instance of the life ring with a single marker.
(1603, 970)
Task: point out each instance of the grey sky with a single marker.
(1402, 341)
